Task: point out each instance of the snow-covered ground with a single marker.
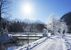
(52, 43)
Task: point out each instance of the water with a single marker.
(11, 46)
(19, 44)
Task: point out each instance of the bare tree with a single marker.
(4, 5)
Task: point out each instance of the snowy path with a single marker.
(52, 43)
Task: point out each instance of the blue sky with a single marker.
(43, 9)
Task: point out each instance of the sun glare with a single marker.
(26, 9)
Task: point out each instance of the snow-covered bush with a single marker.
(57, 27)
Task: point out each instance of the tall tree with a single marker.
(67, 19)
(4, 5)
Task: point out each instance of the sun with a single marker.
(26, 9)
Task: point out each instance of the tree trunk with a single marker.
(0, 9)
